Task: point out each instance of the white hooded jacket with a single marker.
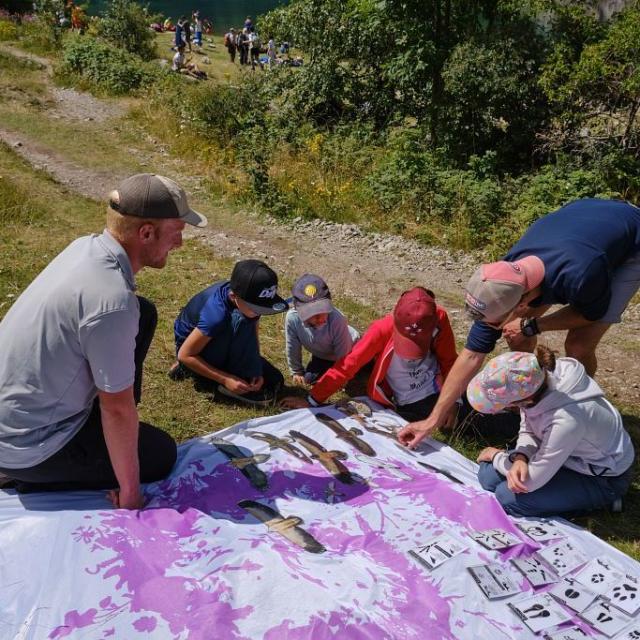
(573, 425)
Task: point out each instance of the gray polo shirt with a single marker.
(71, 333)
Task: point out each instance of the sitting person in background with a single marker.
(217, 335)
(315, 324)
(414, 350)
(183, 65)
(197, 25)
(572, 454)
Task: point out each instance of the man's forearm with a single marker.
(120, 426)
(467, 364)
(563, 319)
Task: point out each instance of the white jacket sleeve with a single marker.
(527, 444)
(559, 441)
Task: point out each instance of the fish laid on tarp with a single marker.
(440, 471)
(363, 415)
(279, 443)
(287, 527)
(348, 435)
(247, 465)
(330, 460)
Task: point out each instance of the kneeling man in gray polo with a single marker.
(73, 346)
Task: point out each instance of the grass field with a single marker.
(40, 217)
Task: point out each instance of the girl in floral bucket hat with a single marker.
(572, 454)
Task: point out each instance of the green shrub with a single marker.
(110, 69)
(8, 30)
(126, 25)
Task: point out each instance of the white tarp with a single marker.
(236, 544)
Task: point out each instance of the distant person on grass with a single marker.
(69, 385)
(585, 256)
(217, 336)
(255, 45)
(243, 46)
(573, 453)
(179, 39)
(414, 350)
(230, 43)
(317, 326)
(197, 24)
(182, 64)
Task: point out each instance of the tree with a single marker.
(126, 24)
(596, 96)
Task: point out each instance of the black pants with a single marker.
(418, 410)
(84, 463)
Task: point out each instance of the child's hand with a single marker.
(237, 385)
(299, 380)
(486, 455)
(256, 383)
(517, 476)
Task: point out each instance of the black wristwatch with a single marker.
(529, 327)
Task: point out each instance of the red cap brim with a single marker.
(408, 348)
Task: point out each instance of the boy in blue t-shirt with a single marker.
(217, 335)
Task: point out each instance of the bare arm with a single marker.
(189, 356)
(465, 367)
(120, 427)
(566, 318)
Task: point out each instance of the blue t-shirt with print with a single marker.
(210, 311)
(581, 245)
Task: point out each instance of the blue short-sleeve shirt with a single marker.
(581, 245)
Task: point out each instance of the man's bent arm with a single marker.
(465, 367)
(566, 318)
(120, 424)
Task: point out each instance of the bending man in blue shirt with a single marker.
(585, 256)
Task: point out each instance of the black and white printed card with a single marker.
(540, 531)
(563, 557)
(572, 594)
(605, 618)
(572, 633)
(625, 595)
(494, 580)
(600, 576)
(536, 572)
(539, 612)
(437, 551)
(630, 634)
(495, 539)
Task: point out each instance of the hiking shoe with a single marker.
(261, 398)
(177, 372)
(617, 506)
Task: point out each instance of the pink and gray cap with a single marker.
(506, 379)
(495, 289)
(147, 195)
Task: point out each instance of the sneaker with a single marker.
(262, 398)
(617, 506)
(177, 372)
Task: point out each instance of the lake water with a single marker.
(223, 13)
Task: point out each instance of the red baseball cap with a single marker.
(414, 319)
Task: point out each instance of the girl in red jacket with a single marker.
(414, 350)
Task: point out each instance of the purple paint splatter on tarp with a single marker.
(168, 570)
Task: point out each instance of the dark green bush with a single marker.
(126, 25)
(109, 68)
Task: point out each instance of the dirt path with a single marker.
(370, 268)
